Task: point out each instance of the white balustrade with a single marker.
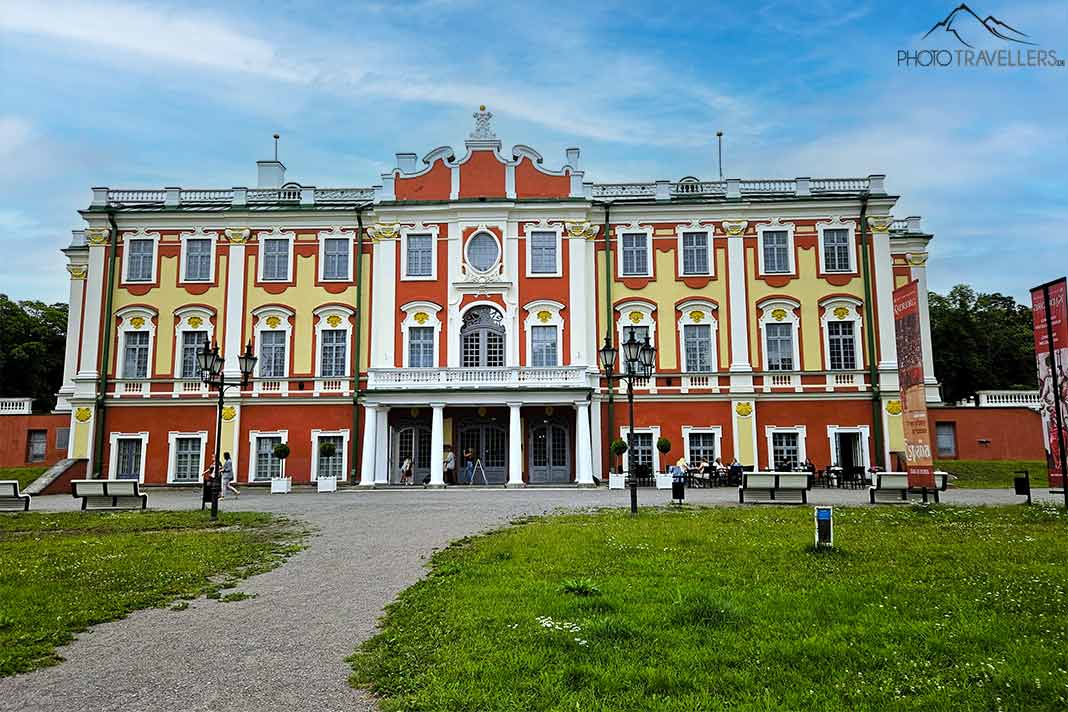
(131, 388)
(839, 185)
(270, 387)
(191, 387)
(697, 187)
(1009, 399)
(331, 385)
(207, 196)
(136, 196)
(768, 186)
(16, 406)
(506, 377)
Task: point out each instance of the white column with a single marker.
(370, 428)
(235, 309)
(382, 449)
(74, 324)
(94, 293)
(884, 300)
(596, 439)
(583, 450)
(739, 315)
(515, 446)
(578, 282)
(437, 444)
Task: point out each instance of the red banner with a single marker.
(918, 459)
(1052, 371)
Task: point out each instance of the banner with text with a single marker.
(1050, 383)
(918, 460)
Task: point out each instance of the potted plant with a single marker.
(617, 480)
(663, 480)
(281, 484)
(326, 483)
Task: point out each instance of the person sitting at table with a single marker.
(735, 472)
(682, 465)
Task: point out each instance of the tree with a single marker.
(981, 342)
(33, 339)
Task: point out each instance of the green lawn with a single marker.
(60, 573)
(989, 474)
(25, 475)
(917, 608)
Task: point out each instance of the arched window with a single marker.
(482, 338)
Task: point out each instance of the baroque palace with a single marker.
(462, 301)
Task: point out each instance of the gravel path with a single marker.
(285, 649)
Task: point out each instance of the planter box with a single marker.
(663, 482)
(617, 480)
(281, 485)
(327, 484)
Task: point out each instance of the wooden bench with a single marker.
(894, 487)
(775, 486)
(109, 494)
(11, 499)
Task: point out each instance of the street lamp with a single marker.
(210, 362)
(638, 360)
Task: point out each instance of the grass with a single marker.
(916, 608)
(63, 572)
(993, 474)
(25, 475)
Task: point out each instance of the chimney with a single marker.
(271, 174)
(573, 158)
(406, 162)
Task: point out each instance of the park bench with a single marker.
(109, 494)
(894, 487)
(11, 499)
(775, 487)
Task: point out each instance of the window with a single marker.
(275, 260)
(776, 252)
(335, 258)
(267, 465)
(187, 459)
(780, 346)
(543, 252)
(841, 345)
(420, 255)
(272, 354)
(333, 353)
(140, 254)
(635, 254)
(128, 459)
(135, 357)
(702, 446)
(785, 450)
(330, 466)
(62, 438)
(836, 251)
(946, 437)
(697, 340)
(641, 450)
(421, 347)
(192, 343)
(695, 253)
(482, 251)
(641, 333)
(36, 445)
(198, 260)
(543, 346)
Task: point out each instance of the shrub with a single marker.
(327, 449)
(663, 445)
(281, 451)
(618, 447)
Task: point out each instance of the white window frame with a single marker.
(709, 230)
(250, 476)
(322, 324)
(276, 234)
(411, 309)
(802, 450)
(633, 228)
(335, 233)
(838, 224)
(261, 316)
(183, 315)
(544, 226)
(494, 269)
(707, 311)
(655, 430)
(172, 454)
(140, 234)
(533, 319)
(854, 307)
(315, 435)
(420, 229)
(624, 319)
(688, 430)
(776, 225)
(768, 307)
(197, 234)
(113, 455)
(126, 317)
(862, 430)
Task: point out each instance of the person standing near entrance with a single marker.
(469, 466)
(406, 471)
(449, 466)
(227, 472)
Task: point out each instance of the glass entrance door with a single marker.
(550, 450)
(482, 338)
(412, 441)
(489, 443)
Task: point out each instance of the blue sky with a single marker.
(130, 94)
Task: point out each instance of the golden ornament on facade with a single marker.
(97, 235)
(384, 231)
(333, 320)
(78, 271)
(916, 260)
(273, 322)
(414, 412)
(237, 235)
(544, 316)
(137, 322)
(482, 412)
(841, 312)
(734, 227)
(636, 317)
(195, 321)
(582, 230)
(893, 407)
(697, 316)
(549, 410)
(880, 223)
(421, 317)
(82, 414)
(229, 413)
(744, 409)
(778, 314)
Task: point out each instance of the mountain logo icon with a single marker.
(962, 21)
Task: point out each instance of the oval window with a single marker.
(482, 251)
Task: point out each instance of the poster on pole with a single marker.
(918, 461)
(1052, 358)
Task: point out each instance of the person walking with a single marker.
(469, 466)
(227, 473)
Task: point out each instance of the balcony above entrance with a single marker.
(511, 377)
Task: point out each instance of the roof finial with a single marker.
(483, 130)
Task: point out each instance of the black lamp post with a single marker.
(210, 362)
(638, 360)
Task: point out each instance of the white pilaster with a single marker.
(919, 271)
(739, 315)
(597, 439)
(94, 294)
(74, 324)
(235, 309)
(884, 300)
(437, 444)
(384, 304)
(583, 449)
(515, 446)
(382, 447)
(370, 428)
(578, 295)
